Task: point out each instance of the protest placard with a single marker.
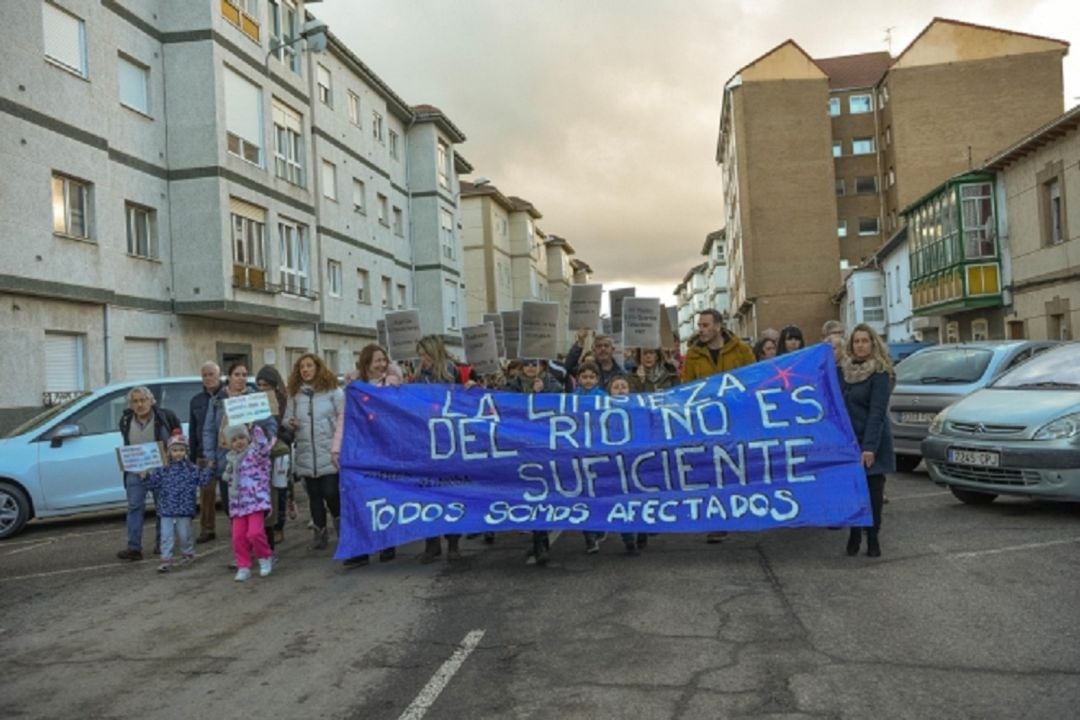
(669, 322)
(500, 337)
(585, 306)
(139, 458)
(615, 298)
(481, 348)
(511, 332)
(402, 333)
(641, 322)
(249, 408)
(539, 330)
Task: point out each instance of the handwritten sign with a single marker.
(616, 298)
(402, 333)
(481, 348)
(641, 322)
(244, 409)
(511, 332)
(585, 306)
(539, 330)
(139, 458)
(496, 321)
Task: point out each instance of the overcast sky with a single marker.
(603, 113)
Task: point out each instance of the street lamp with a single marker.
(314, 31)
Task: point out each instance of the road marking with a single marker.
(41, 543)
(61, 537)
(1013, 548)
(442, 676)
(117, 564)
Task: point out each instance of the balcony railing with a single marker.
(251, 278)
(59, 397)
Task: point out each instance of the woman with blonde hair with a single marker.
(867, 377)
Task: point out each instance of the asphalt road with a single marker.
(970, 613)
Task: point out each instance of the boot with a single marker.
(388, 554)
(432, 550)
(321, 538)
(452, 552)
(872, 547)
(854, 541)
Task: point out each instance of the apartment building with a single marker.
(183, 186)
(716, 271)
(560, 276)
(870, 133)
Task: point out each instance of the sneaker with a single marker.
(388, 554)
(164, 567)
(205, 538)
(592, 546)
(243, 575)
(266, 565)
(129, 554)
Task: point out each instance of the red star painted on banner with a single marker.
(784, 376)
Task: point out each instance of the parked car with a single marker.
(931, 379)
(900, 350)
(1019, 436)
(63, 461)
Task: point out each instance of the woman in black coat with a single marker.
(867, 380)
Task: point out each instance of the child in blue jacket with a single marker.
(174, 487)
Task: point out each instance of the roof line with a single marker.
(977, 26)
(1022, 147)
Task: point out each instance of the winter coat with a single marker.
(248, 476)
(215, 419)
(316, 414)
(197, 409)
(522, 384)
(867, 404)
(573, 358)
(174, 487)
(661, 378)
(596, 391)
(699, 363)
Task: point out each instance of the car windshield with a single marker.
(43, 417)
(944, 366)
(1055, 369)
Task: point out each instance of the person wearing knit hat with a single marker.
(177, 438)
(174, 487)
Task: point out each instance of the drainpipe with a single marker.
(408, 210)
(107, 332)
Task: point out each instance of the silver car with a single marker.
(1019, 436)
(931, 379)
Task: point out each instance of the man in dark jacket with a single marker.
(211, 384)
(603, 351)
(143, 422)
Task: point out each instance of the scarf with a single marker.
(857, 371)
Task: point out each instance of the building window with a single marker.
(144, 359)
(450, 293)
(65, 39)
(834, 106)
(891, 177)
(1054, 210)
(283, 20)
(322, 80)
(1016, 330)
(354, 108)
(866, 184)
(333, 278)
(330, 359)
(295, 256)
(443, 165)
(978, 218)
(376, 126)
(980, 329)
(884, 94)
(872, 309)
(134, 82)
(399, 222)
(860, 104)
(888, 287)
(837, 148)
(71, 206)
(387, 293)
(868, 226)
(243, 117)
(393, 145)
(952, 331)
(249, 244)
(329, 180)
(362, 284)
(292, 355)
(141, 230)
(244, 14)
(446, 234)
(359, 196)
(401, 292)
(841, 228)
(288, 144)
(64, 363)
(384, 210)
(839, 187)
(862, 146)
(888, 136)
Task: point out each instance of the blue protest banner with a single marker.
(766, 446)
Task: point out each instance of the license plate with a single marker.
(913, 418)
(978, 458)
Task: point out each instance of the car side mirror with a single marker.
(63, 432)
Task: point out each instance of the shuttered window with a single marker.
(65, 38)
(134, 82)
(243, 117)
(63, 362)
(144, 359)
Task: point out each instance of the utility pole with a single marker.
(888, 38)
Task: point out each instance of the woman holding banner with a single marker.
(867, 380)
(651, 373)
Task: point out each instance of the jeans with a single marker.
(136, 490)
(249, 534)
(323, 493)
(182, 526)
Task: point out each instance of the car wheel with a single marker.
(14, 509)
(907, 463)
(972, 497)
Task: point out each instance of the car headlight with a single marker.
(1060, 429)
(938, 423)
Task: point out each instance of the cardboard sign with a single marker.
(641, 322)
(539, 330)
(585, 303)
(481, 348)
(669, 318)
(616, 298)
(500, 337)
(380, 333)
(402, 334)
(511, 332)
(140, 458)
(244, 409)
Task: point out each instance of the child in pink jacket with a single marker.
(247, 473)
